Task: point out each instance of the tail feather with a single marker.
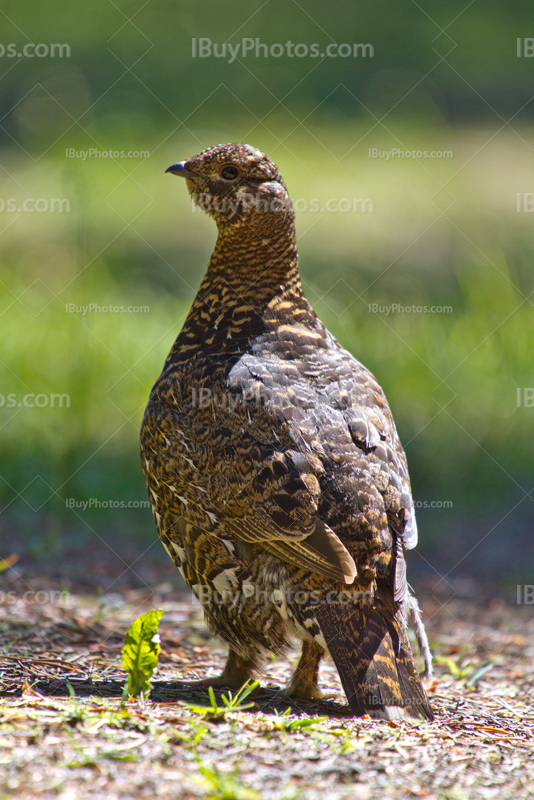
(375, 661)
(412, 690)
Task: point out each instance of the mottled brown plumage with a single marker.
(277, 480)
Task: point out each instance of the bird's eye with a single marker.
(229, 173)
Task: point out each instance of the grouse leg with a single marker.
(237, 671)
(303, 684)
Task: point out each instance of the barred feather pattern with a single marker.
(276, 476)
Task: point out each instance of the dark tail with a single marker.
(375, 661)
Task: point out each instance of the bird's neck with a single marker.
(250, 271)
(256, 263)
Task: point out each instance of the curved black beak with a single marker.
(180, 169)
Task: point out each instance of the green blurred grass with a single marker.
(451, 379)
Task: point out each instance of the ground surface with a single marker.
(89, 745)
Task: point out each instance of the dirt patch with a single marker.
(66, 733)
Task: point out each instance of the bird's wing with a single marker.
(373, 432)
(361, 450)
(278, 508)
(339, 431)
(259, 490)
(377, 436)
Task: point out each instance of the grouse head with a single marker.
(236, 184)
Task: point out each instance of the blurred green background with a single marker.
(427, 231)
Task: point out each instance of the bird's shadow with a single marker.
(265, 699)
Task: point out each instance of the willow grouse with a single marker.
(277, 479)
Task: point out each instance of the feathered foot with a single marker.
(303, 684)
(237, 671)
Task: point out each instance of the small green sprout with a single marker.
(140, 653)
